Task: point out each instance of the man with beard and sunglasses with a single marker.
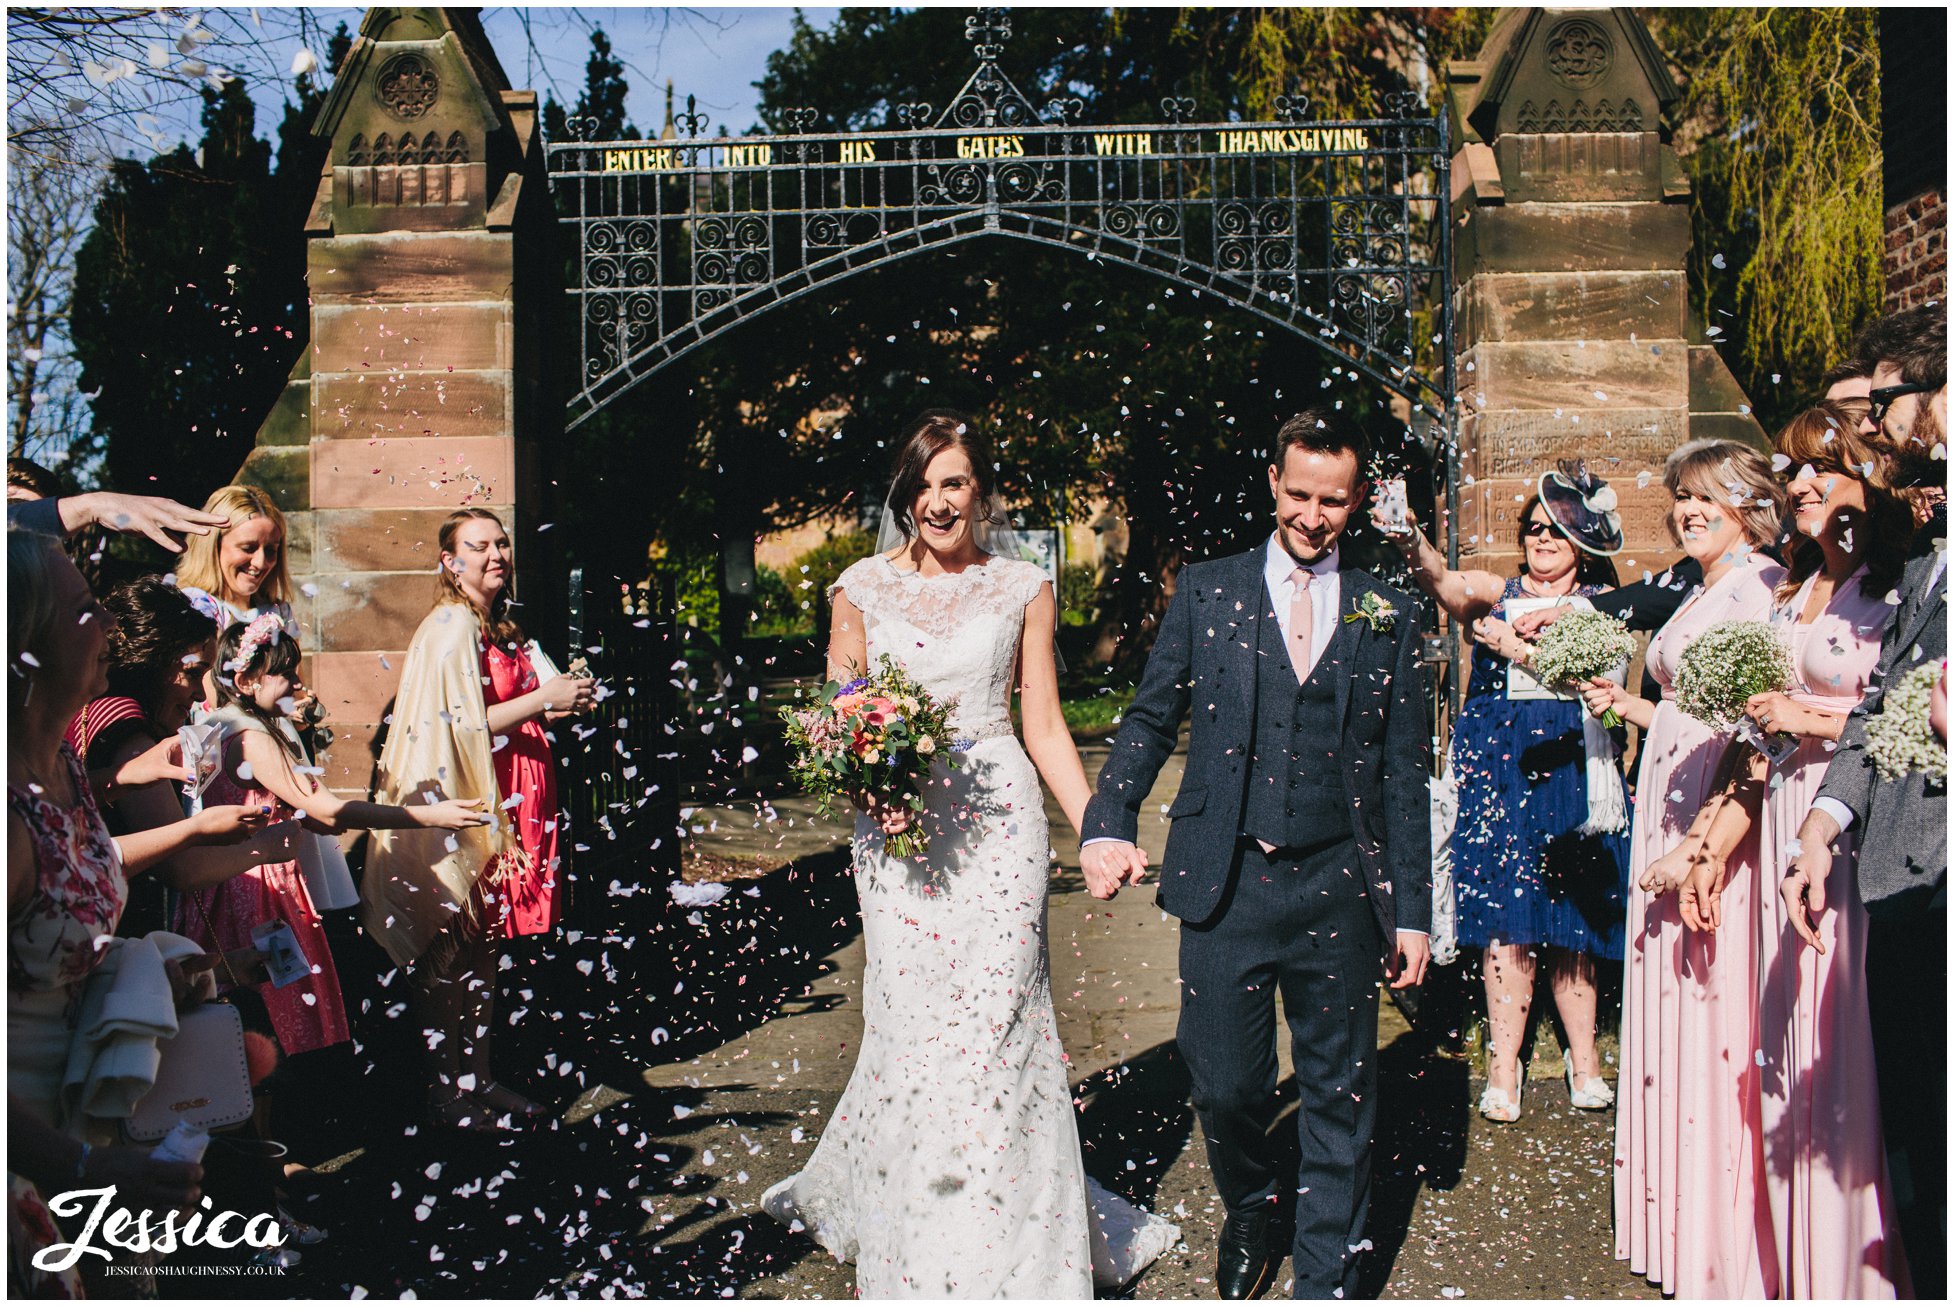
(1902, 865)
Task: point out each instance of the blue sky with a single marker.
(715, 54)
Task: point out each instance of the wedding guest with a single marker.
(65, 886)
(1688, 1202)
(470, 708)
(1849, 379)
(162, 520)
(1901, 870)
(1539, 857)
(159, 649)
(28, 481)
(238, 571)
(256, 677)
(1831, 1211)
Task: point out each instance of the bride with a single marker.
(950, 1166)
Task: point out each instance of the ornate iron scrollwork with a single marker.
(1403, 103)
(1064, 109)
(987, 30)
(915, 115)
(691, 122)
(1252, 239)
(798, 121)
(1368, 240)
(729, 253)
(1137, 222)
(1177, 108)
(1292, 108)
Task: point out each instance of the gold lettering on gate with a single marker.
(858, 151)
(990, 147)
(639, 160)
(1286, 140)
(1122, 143)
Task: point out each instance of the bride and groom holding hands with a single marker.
(1298, 863)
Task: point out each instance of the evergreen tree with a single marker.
(601, 102)
(189, 306)
(190, 293)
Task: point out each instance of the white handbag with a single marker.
(203, 1078)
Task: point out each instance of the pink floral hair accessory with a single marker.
(264, 628)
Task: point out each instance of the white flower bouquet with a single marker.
(1580, 646)
(1899, 738)
(1727, 664)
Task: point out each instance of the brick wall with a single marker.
(1916, 251)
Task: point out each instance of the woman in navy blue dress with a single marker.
(1540, 851)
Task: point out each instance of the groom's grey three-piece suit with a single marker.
(1332, 772)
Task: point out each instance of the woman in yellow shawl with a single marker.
(469, 720)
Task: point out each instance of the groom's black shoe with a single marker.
(1243, 1267)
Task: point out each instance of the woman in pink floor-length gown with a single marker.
(1824, 1160)
(1686, 1185)
(1831, 1208)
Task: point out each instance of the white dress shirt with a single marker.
(1325, 593)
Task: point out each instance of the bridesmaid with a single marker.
(1686, 1176)
(1824, 1157)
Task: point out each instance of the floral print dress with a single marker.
(78, 896)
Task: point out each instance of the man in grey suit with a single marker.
(1902, 862)
(1299, 858)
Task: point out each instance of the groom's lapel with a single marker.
(1246, 626)
(1353, 584)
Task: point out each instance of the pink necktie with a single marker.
(1299, 624)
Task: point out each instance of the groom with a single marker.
(1299, 859)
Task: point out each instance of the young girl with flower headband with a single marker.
(256, 678)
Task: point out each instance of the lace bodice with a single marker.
(957, 633)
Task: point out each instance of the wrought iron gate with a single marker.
(1335, 230)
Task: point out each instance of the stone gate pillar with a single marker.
(431, 265)
(1571, 239)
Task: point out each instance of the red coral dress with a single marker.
(525, 898)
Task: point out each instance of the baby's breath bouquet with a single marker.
(1580, 646)
(1899, 738)
(1727, 664)
(876, 733)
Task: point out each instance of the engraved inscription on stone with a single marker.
(407, 86)
(1579, 53)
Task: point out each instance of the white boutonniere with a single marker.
(1376, 610)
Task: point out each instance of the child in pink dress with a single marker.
(257, 663)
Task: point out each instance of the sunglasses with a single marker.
(1536, 529)
(1882, 399)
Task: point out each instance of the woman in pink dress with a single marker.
(470, 708)
(1686, 1182)
(1824, 1156)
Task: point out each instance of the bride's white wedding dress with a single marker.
(951, 1164)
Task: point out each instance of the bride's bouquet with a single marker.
(1720, 671)
(878, 733)
(1580, 646)
(1899, 737)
